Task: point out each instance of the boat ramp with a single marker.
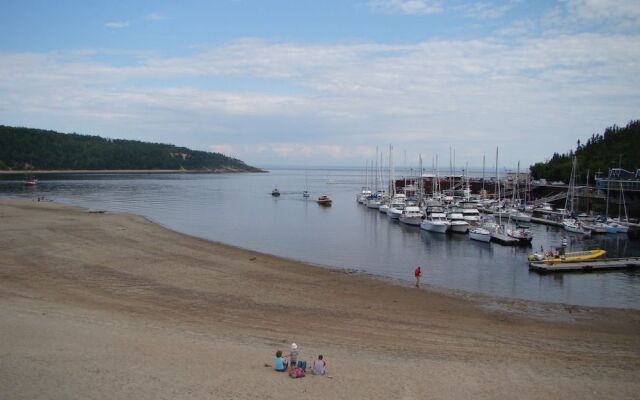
(586, 266)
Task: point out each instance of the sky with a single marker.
(323, 83)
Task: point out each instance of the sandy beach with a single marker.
(110, 306)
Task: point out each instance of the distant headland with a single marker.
(36, 150)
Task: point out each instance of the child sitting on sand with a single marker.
(293, 356)
(279, 363)
(319, 366)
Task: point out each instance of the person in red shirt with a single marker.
(418, 274)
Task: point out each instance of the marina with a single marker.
(239, 209)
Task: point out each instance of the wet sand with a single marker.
(110, 306)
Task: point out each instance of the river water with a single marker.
(238, 209)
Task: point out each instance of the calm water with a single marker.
(238, 209)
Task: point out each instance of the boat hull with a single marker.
(434, 227)
(577, 256)
(414, 221)
(394, 213)
(459, 228)
(480, 236)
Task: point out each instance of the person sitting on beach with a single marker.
(293, 356)
(319, 366)
(279, 363)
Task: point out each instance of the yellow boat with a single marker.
(553, 257)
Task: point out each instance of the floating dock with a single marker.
(545, 221)
(504, 239)
(591, 265)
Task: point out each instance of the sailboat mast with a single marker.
(620, 191)
(392, 181)
(497, 188)
(483, 157)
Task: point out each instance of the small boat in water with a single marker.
(324, 200)
(305, 193)
(522, 234)
(480, 234)
(30, 181)
(575, 226)
(560, 256)
(275, 192)
(411, 215)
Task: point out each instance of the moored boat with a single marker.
(411, 215)
(436, 221)
(324, 200)
(575, 226)
(457, 221)
(480, 234)
(522, 234)
(562, 257)
(30, 181)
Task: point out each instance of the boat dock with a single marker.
(504, 239)
(591, 265)
(545, 221)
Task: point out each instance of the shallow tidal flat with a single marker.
(113, 306)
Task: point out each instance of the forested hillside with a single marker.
(36, 149)
(599, 153)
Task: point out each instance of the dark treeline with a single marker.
(36, 149)
(599, 153)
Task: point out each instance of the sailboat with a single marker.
(305, 193)
(30, 181)
(571, 224)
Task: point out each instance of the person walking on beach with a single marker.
(418, 274)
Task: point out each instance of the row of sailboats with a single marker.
(440, 212)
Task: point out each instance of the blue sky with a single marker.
(325, 82)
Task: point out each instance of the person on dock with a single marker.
(418, 275)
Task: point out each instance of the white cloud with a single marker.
(409, 7)
(117, 24)
(341, 98)
(604, 9)
(487, 10)
(155, 16)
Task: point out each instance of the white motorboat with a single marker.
(456, 219)
(470, 212)
(598, 227)
(575, 226)
(520, 216)
(383, 208)
(412, 215)
(618, 227)
(363, 196)
(396, 207)
(374, 202)
(523, 235)
(436, 221)
(480, 234)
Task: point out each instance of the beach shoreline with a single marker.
(112, 300)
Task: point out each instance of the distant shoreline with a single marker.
(128, 171)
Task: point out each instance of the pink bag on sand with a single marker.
(296, 373)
